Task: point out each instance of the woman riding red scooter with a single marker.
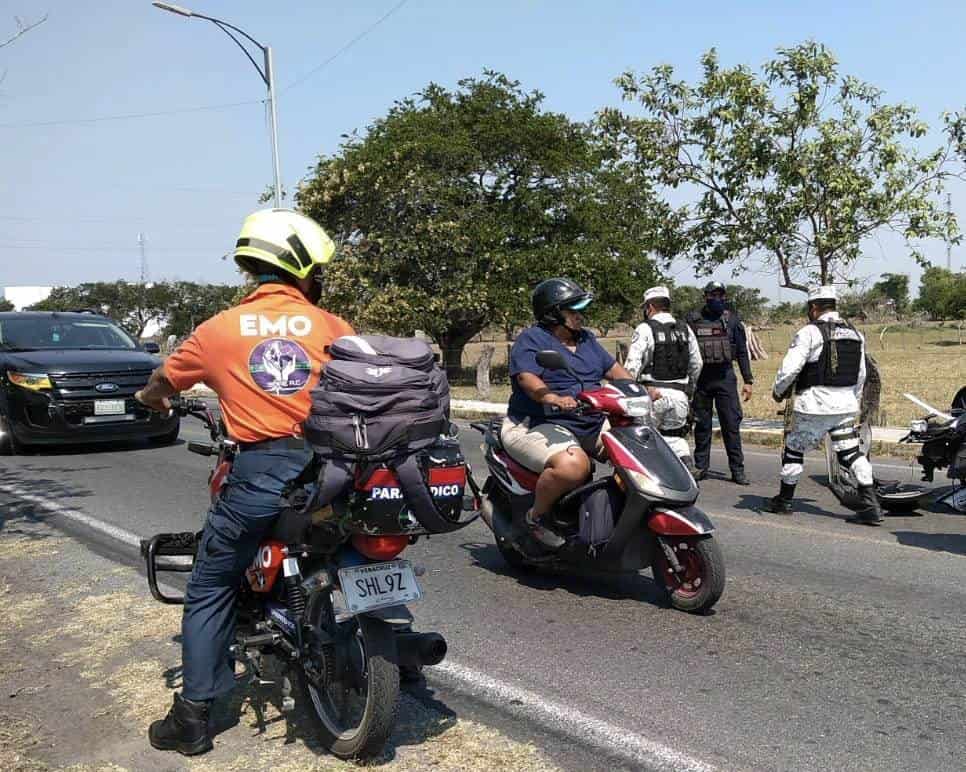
(541, 431)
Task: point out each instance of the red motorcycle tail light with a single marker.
(379, 547)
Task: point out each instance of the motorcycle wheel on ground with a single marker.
(350, 684)
(700, 585)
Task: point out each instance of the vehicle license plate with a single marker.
(109, 407)
(378, 585)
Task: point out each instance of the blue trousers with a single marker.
(236, 524)
(717, 389)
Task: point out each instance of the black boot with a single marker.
(782, 503)
(700, 473)
(184, 729)
(778, 505)
(738, 476)
(870, 513)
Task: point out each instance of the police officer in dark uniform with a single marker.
(721, 339)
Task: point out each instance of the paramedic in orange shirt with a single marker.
(261, 358)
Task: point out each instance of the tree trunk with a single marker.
(452, 346)
(483, 371)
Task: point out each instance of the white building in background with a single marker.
(22, 297)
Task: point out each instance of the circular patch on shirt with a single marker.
(279, 366)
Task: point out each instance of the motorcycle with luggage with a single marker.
(641, 515)
(327, 592)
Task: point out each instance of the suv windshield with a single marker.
(57, 332)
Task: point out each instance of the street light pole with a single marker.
(273, 119)
(267, 73)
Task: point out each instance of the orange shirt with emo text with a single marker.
(262, 358)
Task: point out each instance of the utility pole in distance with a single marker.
(144, 261)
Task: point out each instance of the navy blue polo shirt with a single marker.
(589, 362)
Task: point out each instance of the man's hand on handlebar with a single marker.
(160, 404)
(560, 401)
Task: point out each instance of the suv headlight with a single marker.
(32, 381)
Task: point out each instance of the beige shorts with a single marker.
(534, 447)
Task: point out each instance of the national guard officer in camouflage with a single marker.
(825, 368)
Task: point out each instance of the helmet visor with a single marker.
(579, 305)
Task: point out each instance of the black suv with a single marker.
(71, 377)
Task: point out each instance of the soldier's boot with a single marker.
(870, 512)
(782, 503)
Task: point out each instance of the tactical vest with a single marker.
(670, 360)
(839, 363)
(714, 342)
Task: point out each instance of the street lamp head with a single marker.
(173, 8)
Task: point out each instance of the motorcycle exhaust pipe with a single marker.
(416, 649)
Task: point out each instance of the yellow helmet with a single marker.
(284, 239)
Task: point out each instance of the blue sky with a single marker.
(73, 196)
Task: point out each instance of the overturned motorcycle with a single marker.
(943, 439)
(325, 594)
(641, 516)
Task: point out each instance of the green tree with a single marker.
(194, 303)
(894, 286)
(795, 165)
(455, 204)
(133, 306)
(785, 312)
(685, 298)
(6, 305)
(942, 294)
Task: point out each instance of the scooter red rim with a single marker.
(687, 583)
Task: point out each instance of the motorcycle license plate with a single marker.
(109, 407)
(378, 585)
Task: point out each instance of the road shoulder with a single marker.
(89, 660)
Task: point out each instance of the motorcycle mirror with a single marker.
(551, 360)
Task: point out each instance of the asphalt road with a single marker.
(834, 647)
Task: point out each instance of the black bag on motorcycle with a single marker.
(380, 402)
(373, 412)
(382, 350)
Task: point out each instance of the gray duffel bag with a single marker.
(368, 407)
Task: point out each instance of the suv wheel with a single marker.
(167, 439)
(9, 446)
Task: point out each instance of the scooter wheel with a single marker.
(700, 585)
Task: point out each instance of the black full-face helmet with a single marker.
(551, 295)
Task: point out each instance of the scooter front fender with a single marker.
(680, 521)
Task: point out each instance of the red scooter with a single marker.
(651, 493)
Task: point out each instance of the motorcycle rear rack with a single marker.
(168, 545)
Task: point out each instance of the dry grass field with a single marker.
(928, 361)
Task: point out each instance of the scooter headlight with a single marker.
(636, 407)
(645, 483)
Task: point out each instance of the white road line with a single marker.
(556, 716)
(566, 720)
(115, 532)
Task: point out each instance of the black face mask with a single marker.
(716, 306)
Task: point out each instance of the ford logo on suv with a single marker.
(106, 388)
